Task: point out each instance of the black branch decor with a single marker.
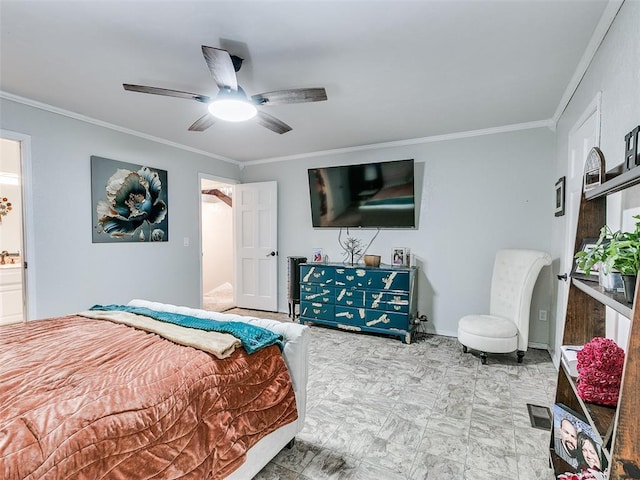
(353, 247)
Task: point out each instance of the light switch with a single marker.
(186, 241)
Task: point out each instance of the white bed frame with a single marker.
(296, 347)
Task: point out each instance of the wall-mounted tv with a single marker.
(368, 195)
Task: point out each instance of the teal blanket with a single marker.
(253, 338)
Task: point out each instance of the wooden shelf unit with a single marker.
(619, 427)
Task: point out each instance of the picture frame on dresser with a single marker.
(399, 256)
(316, 255)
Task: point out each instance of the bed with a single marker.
(103, 394)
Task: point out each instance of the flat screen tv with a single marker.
(368, 195)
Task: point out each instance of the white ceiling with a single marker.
(393, 70)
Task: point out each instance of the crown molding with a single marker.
(412, 141)
(76, 116)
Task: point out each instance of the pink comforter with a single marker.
(91, 399)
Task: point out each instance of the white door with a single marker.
(255, 219)
(582, 138)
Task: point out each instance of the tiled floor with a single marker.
(379, 409)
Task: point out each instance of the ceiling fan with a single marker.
(232, 103)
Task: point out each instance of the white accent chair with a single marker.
(506, 328)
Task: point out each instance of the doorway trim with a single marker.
(29, 273)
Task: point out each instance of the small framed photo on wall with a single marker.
(399, 256)
(560, 197)
(316, 256)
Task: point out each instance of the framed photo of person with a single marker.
(399, 256)
(575, 441)
(316, 256)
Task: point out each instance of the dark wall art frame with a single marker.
(129, 202)
(560, 184)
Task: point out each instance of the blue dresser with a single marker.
(359, 298)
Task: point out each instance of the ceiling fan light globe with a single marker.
(232, 110)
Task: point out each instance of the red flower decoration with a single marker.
(600, 365)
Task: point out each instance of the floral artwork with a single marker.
(129, 202)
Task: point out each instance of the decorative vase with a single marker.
(372, 260)
(629, 282)
(611, 282)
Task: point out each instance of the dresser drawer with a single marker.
(308, 288)
(316, 274)
(349, 297)
(350, 315)
(319, 310)
(317, 293)
(351, 277)
(388, 280)
(390, 301)
(382, 319)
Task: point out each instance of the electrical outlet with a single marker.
(542, 315)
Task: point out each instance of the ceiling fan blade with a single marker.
(297, 95)
(272, 123)
(202, 123)
(166, 92)
(221, 67)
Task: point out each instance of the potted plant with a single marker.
(615, 252)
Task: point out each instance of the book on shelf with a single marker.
(569, 358)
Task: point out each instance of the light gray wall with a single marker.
(472, 193)
(615, 72)
(72, 272)
(476, 195)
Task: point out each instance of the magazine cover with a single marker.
(578, 445)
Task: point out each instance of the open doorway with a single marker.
(217, 244)
(12, 258)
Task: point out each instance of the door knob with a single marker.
(562, 277)
(272, 254)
